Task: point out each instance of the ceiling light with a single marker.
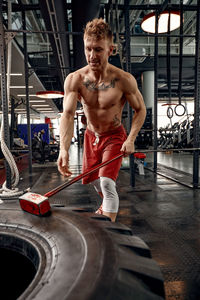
(20, 87)
(14, 74)
(43, 108)
(24, 95)
(40, 105)
(37, 101)
(148, 22)
(47, 112)
(50, 94)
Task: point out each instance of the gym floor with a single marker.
(163, 213)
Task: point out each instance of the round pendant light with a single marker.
(50, 94)
(148, 22)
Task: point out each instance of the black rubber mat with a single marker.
(174, 175)
(168, 220)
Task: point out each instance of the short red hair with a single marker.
(99, 29)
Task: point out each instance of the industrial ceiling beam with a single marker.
(54, 39)
(154, 7)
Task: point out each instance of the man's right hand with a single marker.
(63, 163)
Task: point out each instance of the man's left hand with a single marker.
(128, 148)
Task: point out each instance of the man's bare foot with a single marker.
(99, 211)
(112, 216)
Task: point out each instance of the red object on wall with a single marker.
(48, 121)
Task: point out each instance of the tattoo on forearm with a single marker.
(92, 86)
(116, 121)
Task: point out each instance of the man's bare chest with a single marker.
(102, 95)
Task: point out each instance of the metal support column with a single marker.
(27, 91)
(155, 143)
(197, 103)
(4, 95)
(128, 69)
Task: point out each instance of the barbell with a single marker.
(165, 150)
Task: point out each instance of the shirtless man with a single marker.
(103, 90)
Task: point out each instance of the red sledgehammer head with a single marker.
(35, 204)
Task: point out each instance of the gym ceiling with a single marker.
(54, 51)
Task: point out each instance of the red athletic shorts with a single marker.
(98, 149)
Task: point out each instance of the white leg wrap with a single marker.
(96, 184)
(110, 196)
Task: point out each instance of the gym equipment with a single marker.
(169, 109)
(39, 205)
(43, 151)
(35, 203)
(139, 161)
(179, 135)
(70, 239)
(179, 109)
(167, 149)
(144, 137)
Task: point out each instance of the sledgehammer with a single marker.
(39, 205)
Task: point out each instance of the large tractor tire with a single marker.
(78, 255)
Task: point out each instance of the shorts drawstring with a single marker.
(96, 140)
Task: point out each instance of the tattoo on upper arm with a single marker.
(92, 86)
(116, 121)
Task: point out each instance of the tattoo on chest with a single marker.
(116, 121)
(92, 86)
